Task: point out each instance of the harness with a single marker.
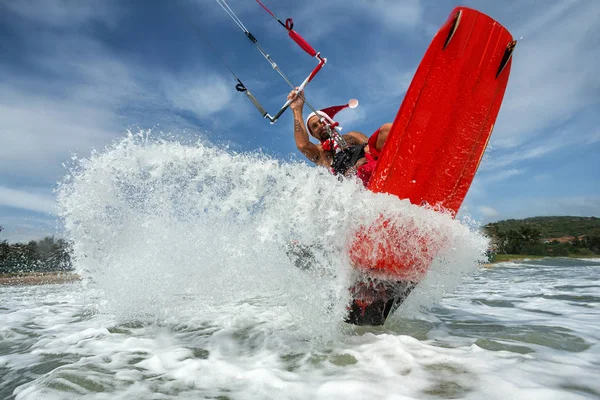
(347, 158)
(344, 157)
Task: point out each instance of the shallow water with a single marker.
(518, 331)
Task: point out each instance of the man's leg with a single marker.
(354, 138)
(383, 134)
(378, 138)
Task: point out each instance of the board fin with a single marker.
(455, 23)
(373, 300)
(510, 47)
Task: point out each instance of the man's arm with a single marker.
(303, 143)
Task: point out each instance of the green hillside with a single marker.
(552, 227)
(541, 236)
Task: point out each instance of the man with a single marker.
(359, 159)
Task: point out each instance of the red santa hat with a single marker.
(329, 112)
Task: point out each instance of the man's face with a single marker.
(317, 128)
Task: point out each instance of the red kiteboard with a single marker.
(436, 143)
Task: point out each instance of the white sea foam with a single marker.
(156, 223)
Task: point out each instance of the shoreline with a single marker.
(58, 277)
(38, 278)
(502, 258)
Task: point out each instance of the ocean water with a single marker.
(189, 291)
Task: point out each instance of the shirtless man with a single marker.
(360, 158)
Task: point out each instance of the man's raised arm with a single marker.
(303, 143)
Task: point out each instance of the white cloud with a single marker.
(573, 205)
(27, 200)
(40, 132)
(582, 206)
(204, 95)
(488, 212)
(92, 97)
(378, 78)
(72, 107)
(501, 176)
(22, 229)
(554, 74)
(395, 15)
(336, 15)
(62, 12)
(572, 136)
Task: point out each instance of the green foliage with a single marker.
(552, 227)
(48, 254)
(592, 243)
(537, 236)
(513, 241)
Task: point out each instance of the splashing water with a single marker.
(169, 229)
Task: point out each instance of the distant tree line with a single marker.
(530, 236)
(554, 227)
(48, 254)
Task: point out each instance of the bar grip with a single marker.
(316, 70)
(256, 103)
(302, 43)
(276, 117)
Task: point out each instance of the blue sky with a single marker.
(75, 75)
